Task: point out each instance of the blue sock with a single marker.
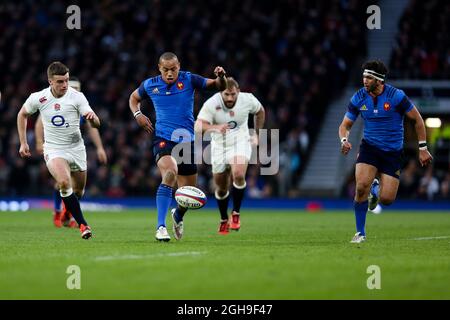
(163, 202)
(57, 201)
(375, 190)
(360, 215)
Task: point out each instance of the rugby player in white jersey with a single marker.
(64, 152)
(61, 216)
(225, 115)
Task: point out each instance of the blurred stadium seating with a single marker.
(297, 57)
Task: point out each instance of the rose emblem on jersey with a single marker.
(180, 85)
(57, 107)
(231, 113)
(387, 106)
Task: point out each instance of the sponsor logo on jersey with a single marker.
(387, 106)
(57, 107)
(43, 99)
(363, 108)
(180, 85)
(155, 91)
(218, 108)
(232, 124)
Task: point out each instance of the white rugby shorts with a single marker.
(222, 156)
(75, 156)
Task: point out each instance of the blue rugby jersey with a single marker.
(382, 115)
(174, 104)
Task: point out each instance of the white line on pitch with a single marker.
(431, 238)
(156, 255)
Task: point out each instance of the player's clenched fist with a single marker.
(219, 72)
(345, 146)
(24, 150)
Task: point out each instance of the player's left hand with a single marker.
(90, 115)
(425, 157)
(219, 72)
(101, 156)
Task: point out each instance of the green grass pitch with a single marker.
(275, 255)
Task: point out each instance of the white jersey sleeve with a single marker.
(82, 103)
(256, 105)
(32, 104)
(207, 111)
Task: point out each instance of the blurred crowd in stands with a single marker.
(422, 48)
(293, 55)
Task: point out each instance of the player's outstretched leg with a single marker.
(360, 216)
(222, 203)
(238, 195)
(374, 194)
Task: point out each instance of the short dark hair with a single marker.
(231, 83)
(376, 65)
(167, 56)
(56, 69)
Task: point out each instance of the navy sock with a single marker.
(223, 206)
(360, 216)
(238, 195)
(179, 213)
(57, 201)
(163, 202)
(73, 205)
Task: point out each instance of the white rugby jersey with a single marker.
(215, 111)
(60, 116)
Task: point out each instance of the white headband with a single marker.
(376, 75)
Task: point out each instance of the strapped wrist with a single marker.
(137, 113)
(423, 145)
(343, 139)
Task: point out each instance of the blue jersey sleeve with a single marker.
(142, 93)
(352, 109)
(404, 105)
(198, 82)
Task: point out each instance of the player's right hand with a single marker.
(346, 147)
(24, 151)
(222, 128)
(145, 123)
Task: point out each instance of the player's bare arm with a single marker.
(220, 82)
(344, 131)
(424, 155)
(204, 126)
(92, 118)
(97, 141)
(22, 118)
(258, 123)
(39, 135)
(135, 106)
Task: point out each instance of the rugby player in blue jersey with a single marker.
(172, 94)
(382, 108)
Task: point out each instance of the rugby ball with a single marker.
(190, 197)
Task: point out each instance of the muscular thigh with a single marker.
(388, 188)
(59, 169)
